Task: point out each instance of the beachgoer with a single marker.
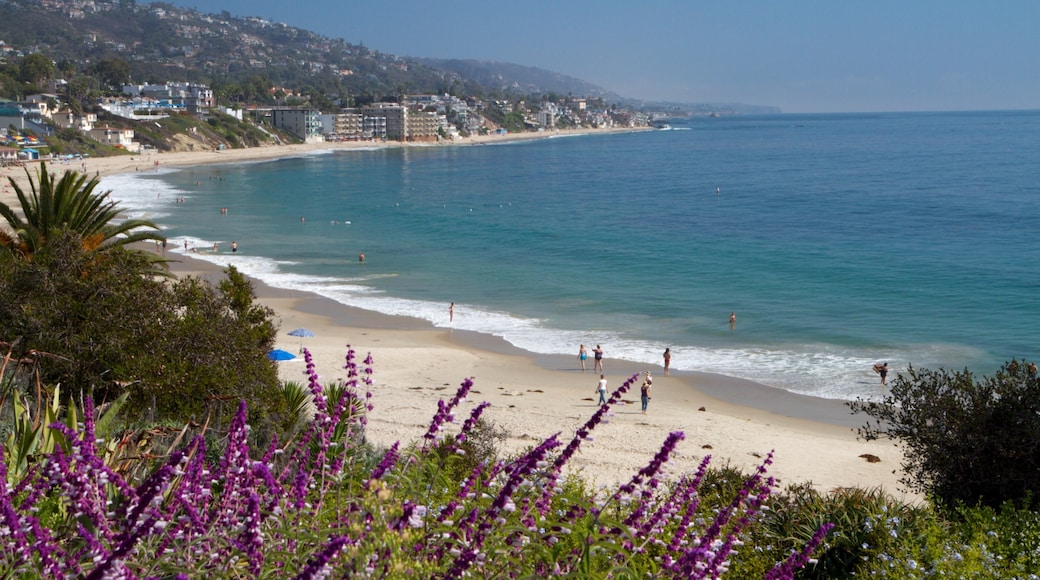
(234, 246)
(361, 257)
(667, 359)
(164, 245)
(214, 247)
(582, 355)
(451, 312)
(882, 369)
(644, 391)
(185, 245)
(732, 320)
(598, 352)
(601, 388)
(1031, 371)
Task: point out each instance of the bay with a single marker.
(837, 240)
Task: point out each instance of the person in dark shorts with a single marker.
(882, 369)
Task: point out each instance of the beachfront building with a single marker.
(304, 123)
(546, 116)
(8, 155)
(373, 127)
(425, 125)
(395, 119)
(347, 125)
(122, 138)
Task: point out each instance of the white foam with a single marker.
(813, 369)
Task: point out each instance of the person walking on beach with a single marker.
(601, 388)
(667, 360)
(644, 391)
(882, 369)
(598, 352)
(582, 355)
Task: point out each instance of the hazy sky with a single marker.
(801, 56)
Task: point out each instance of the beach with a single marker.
(532, 397)
(119, 164)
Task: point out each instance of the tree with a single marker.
(183, 349)
(68, 204)
(114, 72)
(35, 68)
(965, 440)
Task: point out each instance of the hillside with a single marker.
(119, 41)
(160, 42)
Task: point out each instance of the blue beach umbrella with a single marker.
(301, 332)
(279, 354)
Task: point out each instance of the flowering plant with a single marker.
(326, 504)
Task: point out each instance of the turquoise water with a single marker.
(838, 240)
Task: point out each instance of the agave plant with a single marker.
(70, 203)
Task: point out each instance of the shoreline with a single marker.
(144, 162)
(534, 396)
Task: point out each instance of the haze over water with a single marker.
(838, 240)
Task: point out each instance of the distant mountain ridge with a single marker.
(161, 42)
(515, 77)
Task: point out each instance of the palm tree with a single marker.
(68, 204)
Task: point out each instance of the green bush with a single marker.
(965, 440)
(182, 348)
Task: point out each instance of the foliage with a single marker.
(512, 121)
(321, 507)
(69, 204)
(965, 440)
(31, 437)
(182, 348)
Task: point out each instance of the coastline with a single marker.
(534, 396)
(114, 165)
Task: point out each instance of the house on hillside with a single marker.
(122, 138)
(68, 120)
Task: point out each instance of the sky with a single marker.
(801, 56)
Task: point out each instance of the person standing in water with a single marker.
(451, 312)
(582, 355)
(598, 352)
(667, 359)
(882, 369)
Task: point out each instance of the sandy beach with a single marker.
(532, 397)
(102, 166)
(737, 422)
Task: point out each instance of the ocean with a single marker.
(838, 241)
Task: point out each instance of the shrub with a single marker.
(320, 508)
(181, 348)
(965, 440)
